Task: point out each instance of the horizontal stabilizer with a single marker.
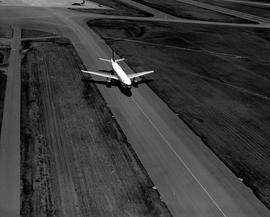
(135, 75)
(106, 60)
(105, 75)
(119, 60)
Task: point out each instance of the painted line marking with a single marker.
(179, 157)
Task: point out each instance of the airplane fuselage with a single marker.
(119, 74)
(122, 76)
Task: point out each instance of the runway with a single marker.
(10, 135)
(189, 177)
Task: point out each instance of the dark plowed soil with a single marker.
(75, 159)
(5, 31)
(4, 60)
(263, 1)
(188, 11)
(1, 58)
(29, 33)
(214, 78)
(3, 81)
(118, 9)
(250, 9)
(4, 56)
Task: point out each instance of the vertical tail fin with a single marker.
(113, 55)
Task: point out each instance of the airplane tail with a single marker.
(113, 58)
(118, 60)
(113, 55)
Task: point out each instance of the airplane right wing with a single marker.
(135, 75)
(106, 75)
(119, 60)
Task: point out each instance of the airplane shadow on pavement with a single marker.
(126, 91)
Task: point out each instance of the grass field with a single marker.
(118, 8)
(214, 78)
(187, 11)
(75, 158)
(255, 10)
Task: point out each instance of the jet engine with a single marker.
(135, 82)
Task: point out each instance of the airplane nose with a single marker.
(129, 84)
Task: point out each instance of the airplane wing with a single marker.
(135, 75)
(106, 60)
(106, 75)
(119, 60)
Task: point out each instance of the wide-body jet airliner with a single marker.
(119, 74)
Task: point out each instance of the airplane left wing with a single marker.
(135, 75)
(106, 75)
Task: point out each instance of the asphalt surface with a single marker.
(189, 177)
(10, 135)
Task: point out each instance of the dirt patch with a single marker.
(75, 159)
(255, 10)
(187, 11)
(217, 82)
(3, 82)
(118, 9)
(29, 33)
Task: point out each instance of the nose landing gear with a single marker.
(108, 82)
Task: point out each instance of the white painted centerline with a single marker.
(178, 157)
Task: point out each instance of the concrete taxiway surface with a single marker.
(189, 177)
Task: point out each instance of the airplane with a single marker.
(118, 73)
